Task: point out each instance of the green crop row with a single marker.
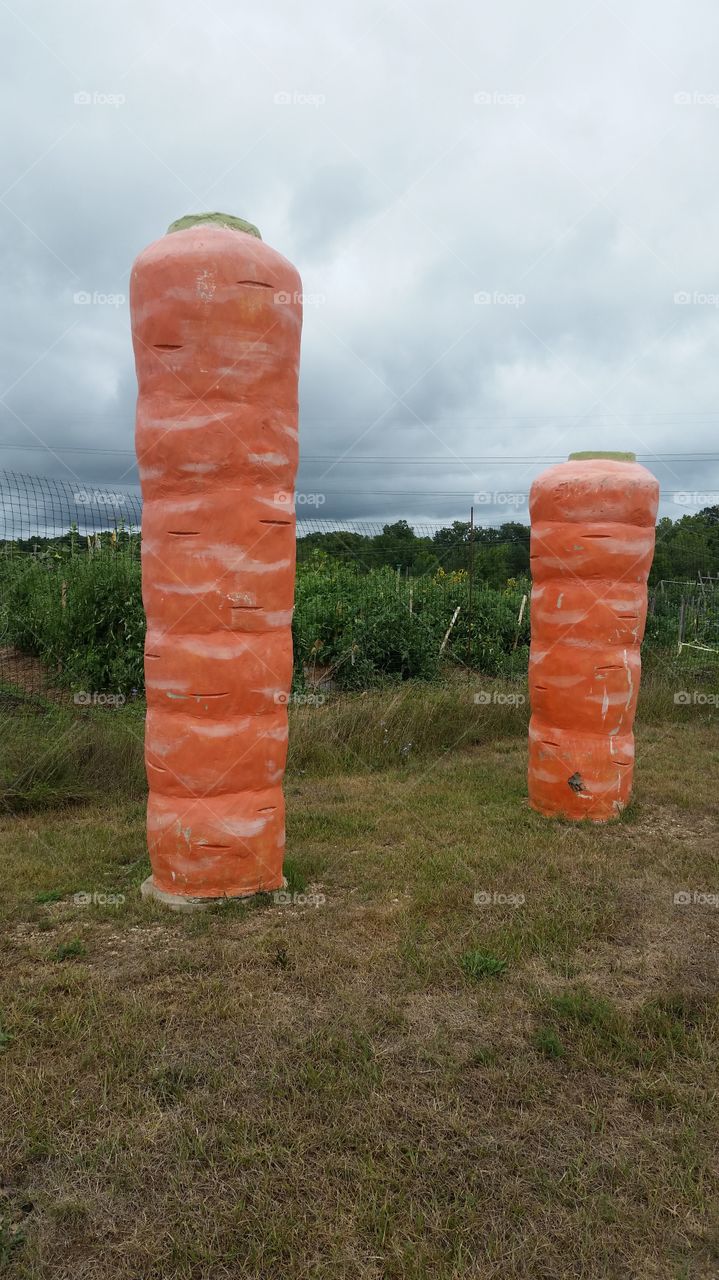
(82, 616)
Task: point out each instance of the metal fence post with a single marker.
(470, 594)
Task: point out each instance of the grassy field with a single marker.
(478, 1044)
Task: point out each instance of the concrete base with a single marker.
(181, 901)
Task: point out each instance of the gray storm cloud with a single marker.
(504, 218)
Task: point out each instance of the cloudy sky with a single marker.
(505, 217)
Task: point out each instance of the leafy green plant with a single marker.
(547, 1042)
(482, 964)
(72, 950)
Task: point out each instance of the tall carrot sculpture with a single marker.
(593, 527)
(216, 321)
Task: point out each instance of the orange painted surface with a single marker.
(592, 543)
(216, 321)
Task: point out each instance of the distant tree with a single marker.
(451, 545)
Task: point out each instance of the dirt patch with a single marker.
(23, 677)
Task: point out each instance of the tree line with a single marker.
(685, 548)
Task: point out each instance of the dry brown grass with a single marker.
(324, 1091)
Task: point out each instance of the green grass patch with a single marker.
(345, 1094)
(75, 949)
(547, 1042)
(482, 964)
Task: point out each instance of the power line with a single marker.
(660, 415)
(469, 457)
(508, 459)
(467, 493)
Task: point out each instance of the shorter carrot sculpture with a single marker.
(593, 527)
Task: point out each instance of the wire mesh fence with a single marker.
(39, 511)
(374, 602)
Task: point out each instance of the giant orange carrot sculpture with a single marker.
(216, 320)
(593, 521)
